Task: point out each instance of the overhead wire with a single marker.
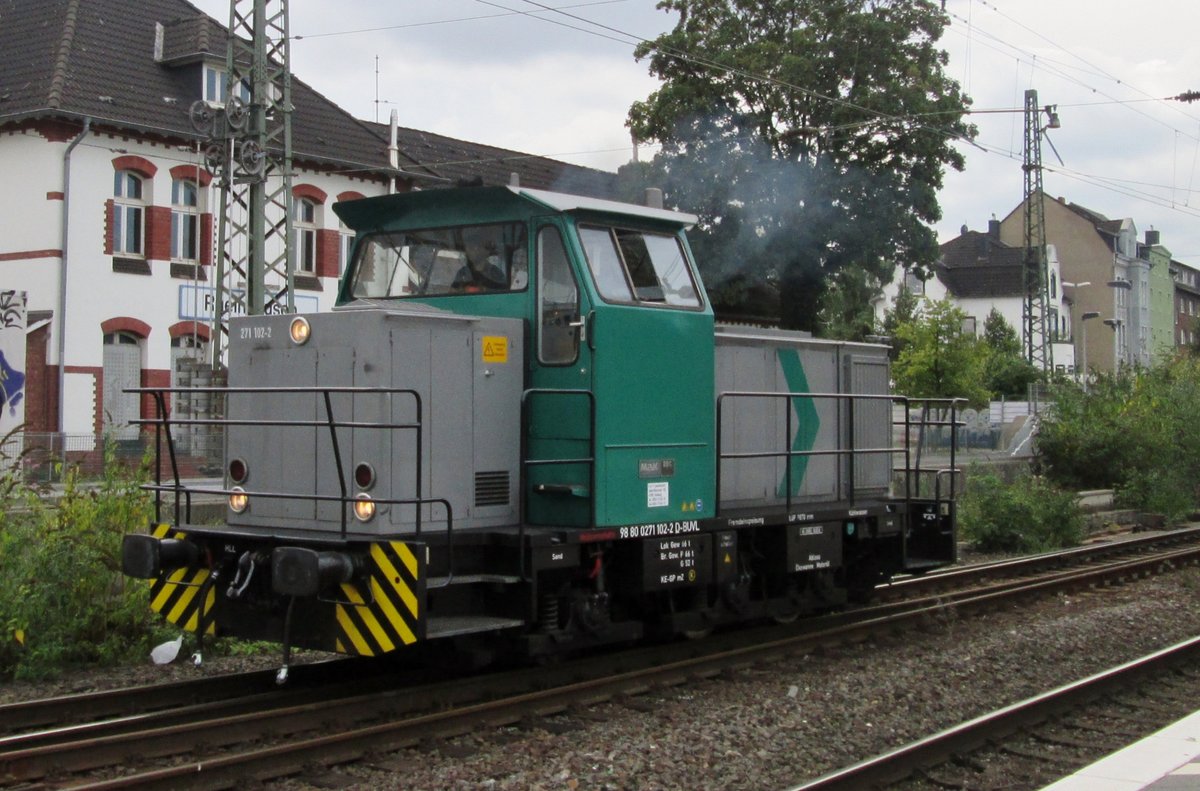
(1083, 60)
(1086, 178)
(629, 39)
(1058, 69)
(435, 22)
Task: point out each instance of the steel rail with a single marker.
(897, 764)
(955, 575)
(346, 745)
(125, 701)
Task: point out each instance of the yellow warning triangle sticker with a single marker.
(727, 558)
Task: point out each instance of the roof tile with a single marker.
(75, 59)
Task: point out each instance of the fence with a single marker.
(993, 428)
(45, 457)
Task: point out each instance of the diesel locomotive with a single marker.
(521, 428)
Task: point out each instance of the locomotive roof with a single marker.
(454, 206)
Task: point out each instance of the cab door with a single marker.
(652, 375)
(559, 408)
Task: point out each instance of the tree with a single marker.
(1134, 431)
(847, 312)
(903, 311)
(808, 135)
(999, 335)
(1006, 370)
(940, 359)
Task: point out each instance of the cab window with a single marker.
(639, 267)
(441, 261)
(558, 301)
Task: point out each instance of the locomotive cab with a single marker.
(619, 344)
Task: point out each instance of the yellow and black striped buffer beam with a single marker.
(386, 612)
(181, 596)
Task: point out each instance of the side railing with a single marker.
(173, 484)
(946, 415)
(847, 448)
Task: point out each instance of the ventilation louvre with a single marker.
(491, 488)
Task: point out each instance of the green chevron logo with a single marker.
(806, 424)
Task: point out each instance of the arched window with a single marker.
(189, 357)
(122, 369)
(129, 214)
(185, 221)
(304, 221)
(1053, 285)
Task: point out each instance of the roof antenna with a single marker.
(378, 101)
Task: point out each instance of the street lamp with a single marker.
(1115, 325)
(1083, 320)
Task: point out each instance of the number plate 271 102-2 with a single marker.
(255, 333)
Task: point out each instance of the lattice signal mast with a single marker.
(250, 150)
(1038, 349)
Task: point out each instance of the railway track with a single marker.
(271, 734)
(1042, 739)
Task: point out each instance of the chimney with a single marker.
(654, 197)
(1152, 237)
(994, 228)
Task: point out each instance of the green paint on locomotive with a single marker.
(808, 423)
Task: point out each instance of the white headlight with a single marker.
(239, 501)
(300, 331)
(364, 508)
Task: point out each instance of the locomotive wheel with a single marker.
(785, 618)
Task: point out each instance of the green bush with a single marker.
(1028, 515)
(1134, 432)
(63, 599)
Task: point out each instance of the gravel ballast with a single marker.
(774, 725)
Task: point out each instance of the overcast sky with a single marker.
(494, 72)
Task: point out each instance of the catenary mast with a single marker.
(250, 151)
(1035, 278)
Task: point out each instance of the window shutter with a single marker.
(206, 238)
(327, 252)
(158, 233)
(109, 210)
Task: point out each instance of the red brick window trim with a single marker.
(192, 173)
(311, 192)
(184, 328)
(125, 324)
(140, 165)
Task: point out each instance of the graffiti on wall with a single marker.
(12, 359)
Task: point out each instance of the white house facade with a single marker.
(111, 217)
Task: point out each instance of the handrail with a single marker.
(526, 462)
(848, 437)
(164, 421)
